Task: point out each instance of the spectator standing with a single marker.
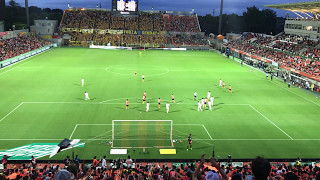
(33, 162)
(77, 161)
(129, 162)
(261, 168)
(95, 162)
(104, 162)
(4, 161)
(67, 161)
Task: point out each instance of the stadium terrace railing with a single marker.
(21, 57)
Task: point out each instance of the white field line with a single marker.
(74, 129)
(271, 122)
(279, 85)
(115, 100)
(139, 124)
(11, 112)
(93, 103)
(167, 139)
(289, 90)
(207, 131)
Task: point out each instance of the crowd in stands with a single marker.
(285, 53)
(181, 23)
(193, 40)
(126, 39)
(16, 46)
(127, 169)
(99, 19)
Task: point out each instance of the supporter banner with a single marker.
(47, 36)
(110, 31)
(133, 32)
(86, 31)
(66, 29)
(23, 33)
(3, 33)
(55, 37)
(36, 150)
(102, 31)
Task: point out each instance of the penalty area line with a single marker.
(74, 129)
(11, 111)
(271, 122)
(207, 132)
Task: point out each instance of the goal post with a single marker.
(142, 133)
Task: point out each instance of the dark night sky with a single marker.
(201, 7)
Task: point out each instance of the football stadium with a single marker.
(128, 93)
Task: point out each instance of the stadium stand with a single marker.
(286, 52)
(16, 46)
(120, 169)
(151, 28)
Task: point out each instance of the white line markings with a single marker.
(270, 121)
(139, 103)
(207, 131)
(11, 112)
(166, 139)
(74, 129)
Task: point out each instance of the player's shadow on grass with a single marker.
(76, 84)
(79, 98)
(215, 105)
(175, 111)
(215, 109)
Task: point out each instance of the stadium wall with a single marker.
(303, 27)
(2, 9)
(12, 34)
(1, 26)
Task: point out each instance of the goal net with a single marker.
(141, 133)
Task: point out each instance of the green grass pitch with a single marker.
(41, 100)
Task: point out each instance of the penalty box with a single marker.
(125, 139)
(31, 114)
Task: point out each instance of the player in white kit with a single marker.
(195, 95)
(220, 82)
(199, 106)
(167, 107)
(82, 82)
(209, 94)
(147, 108)
(86, 96)
(211, 100)
(202, 102)
(210, 105)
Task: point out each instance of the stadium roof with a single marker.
(311, 7)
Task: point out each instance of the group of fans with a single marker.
(159, 22)
(127, 169)
(291, 51)
(16, 46)
(101, 19)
